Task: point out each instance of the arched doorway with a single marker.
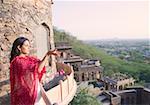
(120, 87)
(83, 78)
(41, 36)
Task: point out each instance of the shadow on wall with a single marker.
(5, 95)
(5, 100)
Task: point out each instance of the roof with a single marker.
(72, 60)
(107, 79)
(116, 77)
(126, 91)
(63, 47)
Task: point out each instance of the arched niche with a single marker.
(42, 34)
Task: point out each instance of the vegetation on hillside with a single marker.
(140, 71)
(83, 98)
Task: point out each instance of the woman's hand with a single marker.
(45, 59)
(53, 52)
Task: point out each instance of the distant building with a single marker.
(130, 96)
(88, 72)
(135, 96)
(117, 82)
(84, 70)
(109, 98)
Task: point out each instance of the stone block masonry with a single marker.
(20, 18)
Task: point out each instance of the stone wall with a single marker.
(20, 18)
(135, 96)
(128, 97)
(146, 96)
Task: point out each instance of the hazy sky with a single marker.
(102, 19)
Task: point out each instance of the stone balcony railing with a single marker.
(64, 92)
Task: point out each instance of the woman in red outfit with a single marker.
(26, 73)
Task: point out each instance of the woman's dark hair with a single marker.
(15, 51)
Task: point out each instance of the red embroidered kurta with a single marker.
(24, 77)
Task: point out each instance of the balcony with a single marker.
(64, 92)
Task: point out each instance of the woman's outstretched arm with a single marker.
(45, 59)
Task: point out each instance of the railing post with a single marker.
(60, 83)
(68, 84)
(72, 72)
(45, 97)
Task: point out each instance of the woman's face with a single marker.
(25, 48)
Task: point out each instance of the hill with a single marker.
(140, 71)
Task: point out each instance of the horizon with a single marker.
(90, 20)
(114, 39)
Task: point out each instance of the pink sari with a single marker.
(24, 77)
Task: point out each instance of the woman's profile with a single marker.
(26, 73)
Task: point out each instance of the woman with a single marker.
(26, 73)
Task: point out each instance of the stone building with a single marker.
(109, 98)
(135, 96)
(88, 72)
(117, 82)
(129, 96)
(65, 49)
(85, 70)
(31, 19)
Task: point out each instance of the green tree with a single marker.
(83, 98)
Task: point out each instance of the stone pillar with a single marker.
(90, 76)
(80, 77)
(52, 47)
(85, 76)
(97, 75)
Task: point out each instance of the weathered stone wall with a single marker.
(20, 18)
(135, 96)
(146, 96)
(128, 98)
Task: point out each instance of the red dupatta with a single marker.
(24, 77)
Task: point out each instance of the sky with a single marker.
(102, 19)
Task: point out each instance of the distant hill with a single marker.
(140, 71)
